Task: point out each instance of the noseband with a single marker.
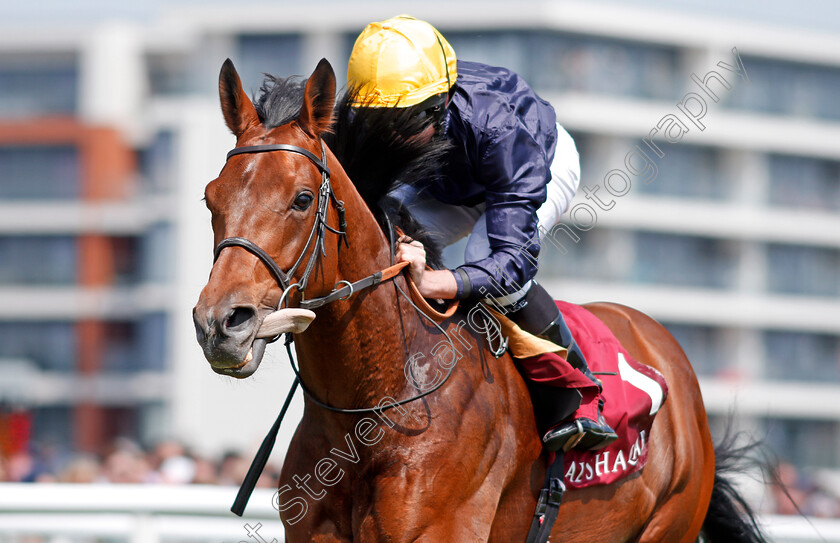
(315, 240)
(319, 228)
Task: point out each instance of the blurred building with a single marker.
(109, 132)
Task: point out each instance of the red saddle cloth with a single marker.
(632, 398)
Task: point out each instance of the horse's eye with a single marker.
(303, 201)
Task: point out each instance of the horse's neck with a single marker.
(354, 352)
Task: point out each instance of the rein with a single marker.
(318, 233)
(552, 493)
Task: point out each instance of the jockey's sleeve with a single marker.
(514, 168)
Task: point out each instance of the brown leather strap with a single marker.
(424, 304)
(392, 271)
(417, 297)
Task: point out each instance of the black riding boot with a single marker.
(539, 316)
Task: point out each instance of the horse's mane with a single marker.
(376, 147)
(279, 100)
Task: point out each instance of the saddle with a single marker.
(633, 393)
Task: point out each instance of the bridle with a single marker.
(315, 241)
(318, 233)
(315, 245)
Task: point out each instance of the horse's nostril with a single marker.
(239, 316)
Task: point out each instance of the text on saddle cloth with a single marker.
(633, 394)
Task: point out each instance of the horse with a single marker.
(460, 461)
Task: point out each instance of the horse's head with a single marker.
(270, 207)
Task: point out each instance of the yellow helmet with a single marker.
(400, 62)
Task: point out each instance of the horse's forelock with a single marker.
(279, 100)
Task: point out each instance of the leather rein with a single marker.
(315, 244)
(317, 234)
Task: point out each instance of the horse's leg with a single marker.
(312, 514)
(681, 507)
(519, 497)
(398, 519)
(455, 484)
(517, 505)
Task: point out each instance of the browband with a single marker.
(280, 147)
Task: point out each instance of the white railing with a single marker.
(134, 513)
(157, 513)
(795, 529)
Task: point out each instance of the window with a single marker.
(120, 353)
(168, 74)
(38, 260)
(156, 261)
(46, 171)
(53, 426)
(593, 165)
(120, 422)
(275, 54)
(151, 334)
(811, 271)
(156, 163)
(125, 258)
(805, 183)
(138, 345)
(52, 346)
(804, 443)
(788, 88)
(496, 48)
(802, 356)
(704, 347)
(35, 86)
(604, 66)
(568, 62)
(54, 260)
(592, 257)
(686, 171)
(689, 261)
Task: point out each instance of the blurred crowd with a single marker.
(124, 461)
(800, 493)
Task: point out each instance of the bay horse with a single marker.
(461, 462)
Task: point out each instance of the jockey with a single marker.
(510, 174)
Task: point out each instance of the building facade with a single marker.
(710, 155)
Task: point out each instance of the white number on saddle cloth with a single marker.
(642, 382)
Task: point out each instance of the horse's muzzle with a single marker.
(225, 333)
(234, 337)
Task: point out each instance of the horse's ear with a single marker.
(237, 108)
(316, 113)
